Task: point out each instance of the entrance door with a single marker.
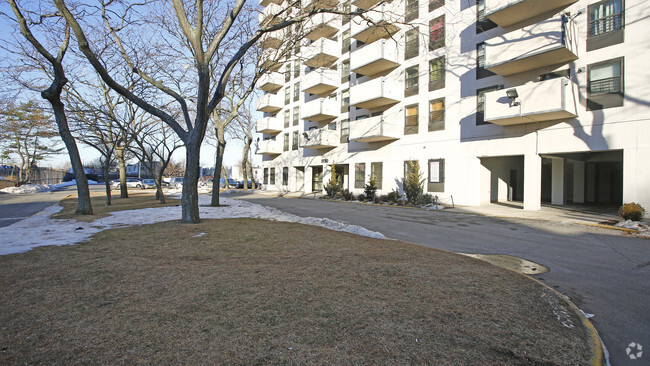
(300, 179)
(317, 178)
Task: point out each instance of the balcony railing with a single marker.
(375, 93)
(321, 53)
(269, 103)
(268, 16)
(321, 25)
(554, 99)
(374, 129)
(269, 147)
(605, 86)
(549, 42)
(321, 138)
(320, 109)
(509, 12)
(271, 82)
(375, 58)
(605, 24)
(382, 23)
(321, 82)
(270, 125)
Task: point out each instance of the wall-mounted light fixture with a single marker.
(513, 95)
(305, 135)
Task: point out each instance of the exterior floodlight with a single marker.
(305, 135)
(512, 93)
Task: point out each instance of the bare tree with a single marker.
(242, 129)
(51, 65)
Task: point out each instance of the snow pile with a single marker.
(41, 230)
(36, 188)
(635, 225)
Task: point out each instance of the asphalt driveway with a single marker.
(603, 271)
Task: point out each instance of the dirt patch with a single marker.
(249, 291)
(137, 200)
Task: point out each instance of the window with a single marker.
(437, 73)
(287, 95)
(436, 176)
(483, 23)
(409, 167)
(481, 72)
(294, 142)
(345, 41)
(437, 33)
(411, 120)
(285, 176)
(345, 71)
(345, 101)
(605, 24)
(296, 49)
(266, 175)
(272, 176)
(296, 68)
(332, 126)
(412, 47)
(411, 10)
(435, 4)
(437, 114)
(345, 19)
(376, 172)
(296, 116)
(605, 84)
(480, 104)
(286, 119)
(287, 73)
(412, 81)
(359, 175)
(286, 142)
(296, 91)
(345, 131)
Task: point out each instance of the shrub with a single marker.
(414, 184)
(347, 195)
(332, 188)
(631, 211)
(426, 199)
(361, 197)
(393, 196)
(371, 188)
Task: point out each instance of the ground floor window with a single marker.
(376, 173)
(359, 175)
(436, 176)
(272, 176)
(266, 175)
(285, 176)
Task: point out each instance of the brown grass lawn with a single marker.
(257, 292)
(138, 198)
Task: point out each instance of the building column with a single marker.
(557, 181)
(309, 175)
(578, 182)
(532, 182)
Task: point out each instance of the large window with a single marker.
(411, 12)
(412, 84)
(286, 118)
(435, 4)
(296, 116)
(437, 73)
(266, 175)
(481, 71)
(480, 104)
(376, 173)
(436, 176)
(287, 73)
(345, 41)
(296, 91)
(296, 68)
(411, 120)
(483, 23)
(359, 175)
(287, 95)
(345, 131)
(437, 33)
(286, 142)
(272, 176)
(345, 19)
(345, 71)
(294, 142)
(437, 114)
(412, 47)
(605, 24)
(345, 101)
(285, 176)
(605, 84)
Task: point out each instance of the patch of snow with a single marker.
(36, 188)
(41, 229)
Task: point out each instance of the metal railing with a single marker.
(605, 86)
(606, 24)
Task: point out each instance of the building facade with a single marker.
(523, 100)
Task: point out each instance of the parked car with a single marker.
(130, 183)
(148, 183)
(206, 183)
(176, 183)
(231, 183)
(240, 184)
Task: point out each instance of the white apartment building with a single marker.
(525, 100)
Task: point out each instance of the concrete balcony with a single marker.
(376, 93)
(321, 53)
(508, 12)
(321, 109)
(321, 4)
(366, 4)
(271, 82)
(374, 129)
(270, 59)
(273, 39)
(549, 42)
(549, 100)
(321, 81)
(269, 147)
(270, 125)
(382, 23)
(375, 58)
(270, 103)
(321, 25)
(268, 16)
(267, 2)
(321, 138)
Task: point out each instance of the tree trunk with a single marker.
(221, 147)
(245, 163)
(107, 181)
(119, 151)
(190, 198)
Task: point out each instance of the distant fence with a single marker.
(38, 175)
